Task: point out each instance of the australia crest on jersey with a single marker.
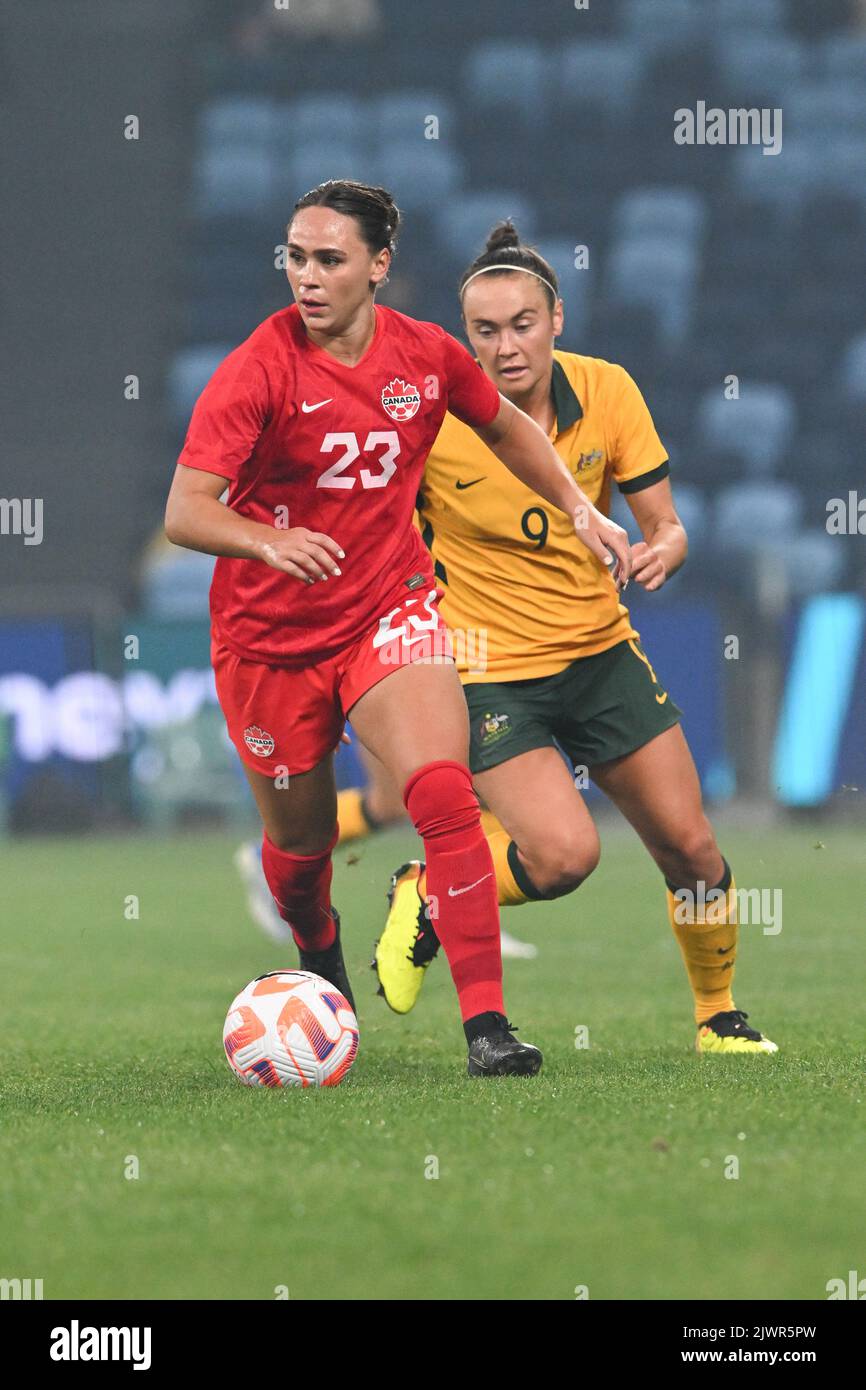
(401, 399)
(493, 727)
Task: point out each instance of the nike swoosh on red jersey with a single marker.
(307, 409)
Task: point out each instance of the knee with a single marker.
(384, 805)
(694, 856)
(440, 799)
(562, 864)
(305, 843)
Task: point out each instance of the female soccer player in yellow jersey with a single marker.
(562, 661)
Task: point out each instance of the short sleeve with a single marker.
(638, 456)
(228, 417)
(472, 397)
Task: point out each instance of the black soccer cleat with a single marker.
(496, 1051)
(330, 964)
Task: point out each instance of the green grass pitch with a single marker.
(606, 1171)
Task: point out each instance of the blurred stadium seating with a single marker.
(730, 262)
(731, 284)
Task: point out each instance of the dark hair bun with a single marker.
(503, 234)
(505, 253)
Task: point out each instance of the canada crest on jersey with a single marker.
(401, 399)
(259, 741)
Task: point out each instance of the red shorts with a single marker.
(284, 719)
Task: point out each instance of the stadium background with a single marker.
(128, 266)
(145, 259)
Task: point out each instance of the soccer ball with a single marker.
(290, 1028)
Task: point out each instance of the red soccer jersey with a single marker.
(307, 441)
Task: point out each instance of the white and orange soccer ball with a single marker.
(290, 1028)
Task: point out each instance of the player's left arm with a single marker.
(640, 468)
(665, 544)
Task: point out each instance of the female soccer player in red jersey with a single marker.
(321, 422)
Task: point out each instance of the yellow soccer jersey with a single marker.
(522, 597)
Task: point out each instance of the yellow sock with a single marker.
(506, 885)
(707, 935)
(350, 815)
(498, 838)
(508, 893)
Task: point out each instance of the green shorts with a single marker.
(600, 707)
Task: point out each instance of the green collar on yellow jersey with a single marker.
(565, 402)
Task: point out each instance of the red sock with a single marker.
(301, 888)
(461, 882)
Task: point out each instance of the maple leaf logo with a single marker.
(400, 399)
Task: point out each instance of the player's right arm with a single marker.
(196, 519)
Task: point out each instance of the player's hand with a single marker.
(647, 566)
(306, 555)
(607, 541)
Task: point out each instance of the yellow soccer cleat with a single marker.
(729, 1033)
(408, 944)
